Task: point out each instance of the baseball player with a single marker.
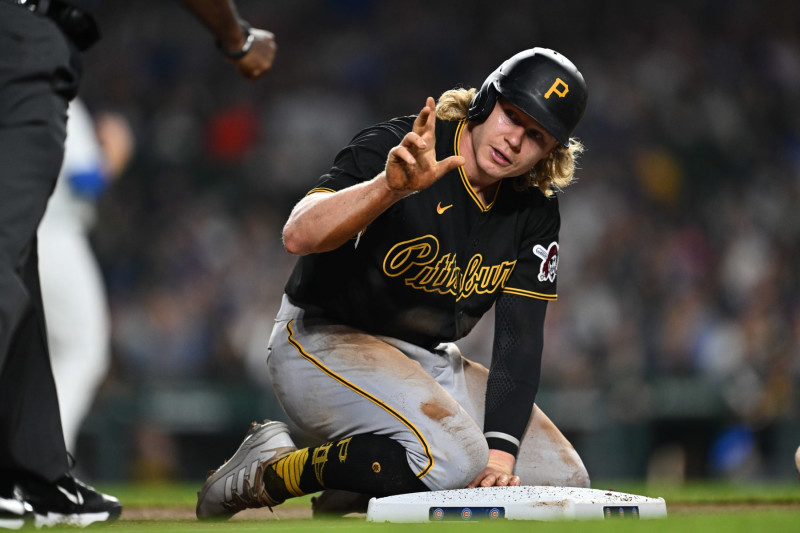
(73, 293)
(421, 225)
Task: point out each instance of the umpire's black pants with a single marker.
(38, 76)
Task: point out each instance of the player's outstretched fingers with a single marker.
(402, 156)
(451, 163)
(414, 143)
(426, 120)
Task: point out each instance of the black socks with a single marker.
(368, 464)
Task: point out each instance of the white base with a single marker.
(514, 503)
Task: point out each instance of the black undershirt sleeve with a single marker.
(515, 369)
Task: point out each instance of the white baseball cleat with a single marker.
(239, 483)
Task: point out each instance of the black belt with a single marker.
(76, 24)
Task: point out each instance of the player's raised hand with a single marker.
(411, 165)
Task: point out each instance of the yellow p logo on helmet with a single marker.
(555, 89)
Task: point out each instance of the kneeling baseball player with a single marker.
(422, 224)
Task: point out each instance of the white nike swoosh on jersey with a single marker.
(76, 498)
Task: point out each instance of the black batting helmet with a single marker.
(542, 83)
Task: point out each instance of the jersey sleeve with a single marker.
(514, 371)
(365, 156)
(519, 325)
(534, 275)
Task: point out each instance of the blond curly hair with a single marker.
(551, 174)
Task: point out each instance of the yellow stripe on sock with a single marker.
(290, 468)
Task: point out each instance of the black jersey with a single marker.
(429, 267)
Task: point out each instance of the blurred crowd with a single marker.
(679, 242)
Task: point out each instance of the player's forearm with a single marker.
(321, 222)
(515, 370)
(221, 18)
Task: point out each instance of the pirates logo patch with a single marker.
(549, 257)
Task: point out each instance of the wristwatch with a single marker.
(248, 44)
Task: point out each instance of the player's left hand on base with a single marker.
(499, 472)
(260, 57)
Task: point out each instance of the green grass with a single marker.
(692, 508)
(728, 523)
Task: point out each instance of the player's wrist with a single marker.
(384, 185)
(499, 441)
(502, 460)
(242, 48)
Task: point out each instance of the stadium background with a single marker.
(674, 349)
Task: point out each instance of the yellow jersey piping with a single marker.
(459, 130)
(311, 359)
(530, 294)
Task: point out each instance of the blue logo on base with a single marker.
(621, 511)
(466, 513)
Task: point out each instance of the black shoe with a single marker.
(68, 501)
(14, 511)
